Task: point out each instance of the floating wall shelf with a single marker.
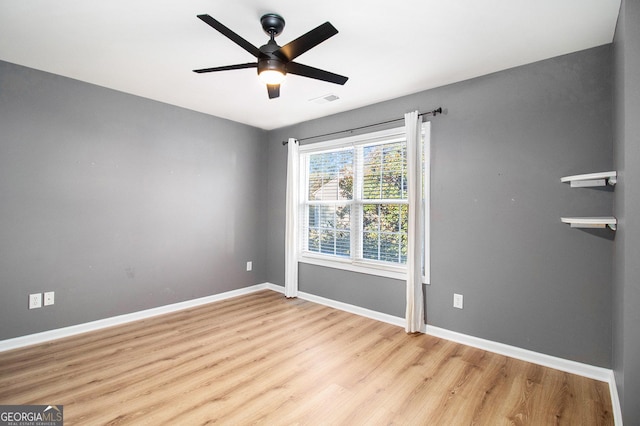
(591, 179)
(591, 222)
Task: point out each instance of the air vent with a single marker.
(324, 99)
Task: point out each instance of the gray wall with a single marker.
(626, 284)
(498, 155)
(119, 203)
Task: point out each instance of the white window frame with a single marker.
(371, 267)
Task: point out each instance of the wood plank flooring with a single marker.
(264, 359)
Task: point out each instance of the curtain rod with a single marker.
(434, 113)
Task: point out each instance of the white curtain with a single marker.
(426, 197)
(415, 300)
(291, 221)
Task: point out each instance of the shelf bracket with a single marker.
(588, 183)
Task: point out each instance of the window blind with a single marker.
(355, 199)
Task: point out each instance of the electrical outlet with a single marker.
(35, 301)
(49, 298)
(457, 300)
(249, 266)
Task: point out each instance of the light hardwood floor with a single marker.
(264, 359)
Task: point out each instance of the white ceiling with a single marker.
(387, 49)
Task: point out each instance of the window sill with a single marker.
(398, 273)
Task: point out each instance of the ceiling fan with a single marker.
(273, 61)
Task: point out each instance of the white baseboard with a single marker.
(573, 367)
(364, 312)
(615, 400)
(561, 364)
(45, 336)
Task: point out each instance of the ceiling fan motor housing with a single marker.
(268, 60)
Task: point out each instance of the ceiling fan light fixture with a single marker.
(271, 76)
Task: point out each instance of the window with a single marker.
(354, 206)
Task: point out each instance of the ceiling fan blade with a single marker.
(274, 90)
(228, 67)
(318, 74)
(297, 47)
(231, 35)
